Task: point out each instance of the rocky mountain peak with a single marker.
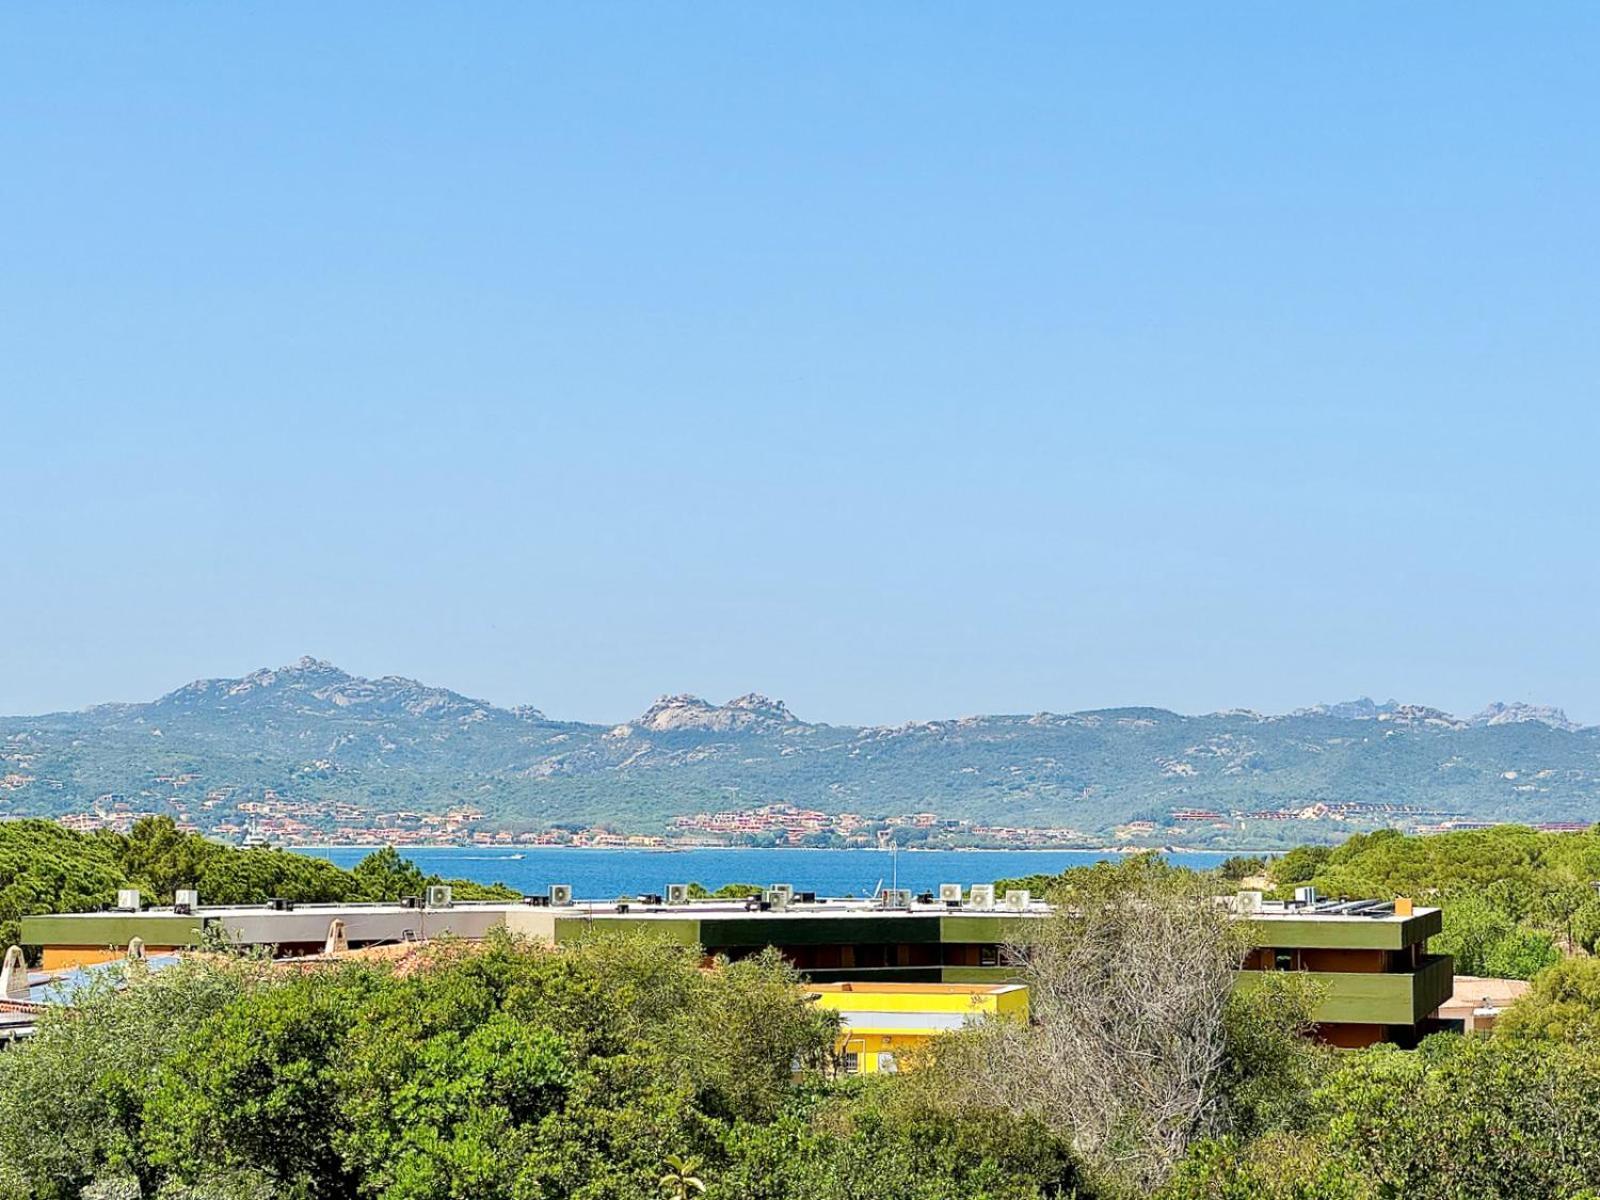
(687, 712)
(312, 685)
(765, 706)
(1364, 708)
(1500, 713)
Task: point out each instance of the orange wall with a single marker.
(61, 958)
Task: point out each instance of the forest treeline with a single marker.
(45, 868)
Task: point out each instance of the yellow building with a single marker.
(880, 1022)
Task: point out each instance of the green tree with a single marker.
(1490, 1118)
(71, 1097)
(1563, 1004)
(161, 859)
(1242, 866)
(1272, 1063)
(384, 875)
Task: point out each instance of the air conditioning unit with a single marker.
(777, 898)
(981, 896)
(439, 895)
(786, 888)
(1306, 895)
(187, 898)
(128, 899)
(1017, 899)
(950, 893)
(677, 894)
(560, 895)
(895, 897)
(1247, 902)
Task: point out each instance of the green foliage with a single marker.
(1563, 1004)
(1509, 894)
(728, 891)
(45, 868)
(1242, 866)
(1272, 1063)
(1496, 1119)
(870, 1139)
(479, 1072)
(1522, 954)
(1524, 864)
(384, 875)
(71, 1097)
(1507, 1118)
(1279, 1166)
(1299, 865)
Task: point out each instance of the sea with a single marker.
(606, 874)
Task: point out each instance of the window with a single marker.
(851, 1062)
(988, 956)
(1283, 960)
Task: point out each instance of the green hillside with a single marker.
(347, 749)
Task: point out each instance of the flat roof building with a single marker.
(1378, 980)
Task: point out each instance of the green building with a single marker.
(1379, 983)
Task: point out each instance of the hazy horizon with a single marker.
(897, 361)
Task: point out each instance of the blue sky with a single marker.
(899, 360)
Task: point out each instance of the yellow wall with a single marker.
(869, 1046)
(884, 1037)
(948, 998)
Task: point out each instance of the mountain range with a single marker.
(311, 734)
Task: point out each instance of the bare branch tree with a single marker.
(1129, 981)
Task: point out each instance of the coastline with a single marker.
(506, 851)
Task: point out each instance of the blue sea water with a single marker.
(606, 874)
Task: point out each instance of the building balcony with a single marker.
(1376, 998)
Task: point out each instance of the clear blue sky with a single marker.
(899, 360)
